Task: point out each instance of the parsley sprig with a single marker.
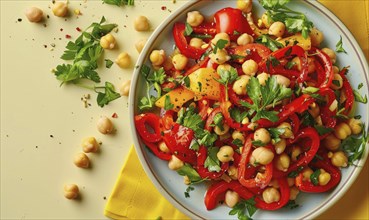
(240, 209)
(119, 2)
(354, 146)
(295, 21)
(227, 77)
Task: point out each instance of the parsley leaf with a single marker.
(240, 209)
(119, 2)
(188, 29)
(103, 98)
(167, 104)
(314, 177)
(339, 46)
(188, 190)
(108, 63)
(322, 130)
(291, 204)
(360, 98)
(212, 162)
(190, 172)
(221, 43)
(237, 115)
(275, 133)
(354, 146)
(269, 42)
(227, 76)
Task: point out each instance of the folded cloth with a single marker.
(135, 197)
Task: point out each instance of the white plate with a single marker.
(170, 184)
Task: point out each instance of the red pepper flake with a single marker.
(78, 29)
(163, 8)
(115, 115)
(67, 36)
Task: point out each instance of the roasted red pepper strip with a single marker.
(260, 180)
(151, 120)
(309, 187)
(214, 194)
(295, 123)
(326, 62)
(328, 117)
(285, 197)
(155, 149)
(167, 120)
(182, 45)
(347, 89)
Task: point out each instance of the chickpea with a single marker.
(244, 39)
(338, 159)
(277, 29)
(316, 37)
(139, 45)
(141, 23)
(105, 126)
(311, 64)
(330, 53)
(331, 142)
(238, 135)
(163, 147)
(342, 130)
(221, 36)
(294, 192)
(107, 41)
(175, 163)
(265, 20)
(90, 144)
(295, 153)
(219, 131)
(282, 162)
(194, 18)
(60, 9)
(262, 156)
(233, 172)
(306, 173)
(239, 86)
(280, 146)
(179, 61)
(355, 125)
(271, 194)
(246, 120)
(336, 70)
(231, 198)
(186, 180)
(337, 82)
(71, 191)
(244, 5)
(314, 110)
(34, 14)
(81, 160)
(157, 57)
(196, 42)
(262, 77)
(123, 60)
(252, 126)
(125, 87)
(282, 80)
(287, 130)
(223, 67)
(225, 153)
(250, 67)
(324, 177)
(262, 135)
(220, 57)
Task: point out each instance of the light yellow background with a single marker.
(42, 124)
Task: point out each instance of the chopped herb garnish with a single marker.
(244, 209)
(269, 42)
(237, 142)
(258, 143)
(314, 177)
(103, 98)
(354, 146)
(275, 133)
(188, 190)
(226, 77)
(296, 172)
(188, 29)
(291, 204)
(360, 85)
(322, 130)
(360, 98)
(339, 46)
(221, 43)
(212, 162)
(237, 115)
(190, 172)
(167, 104)
(119, 2)
(108, 63)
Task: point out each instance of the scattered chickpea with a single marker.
(331, 142)
(314, 110)
(60, 9)
(306, 173)
(262, 77)
(108, 41)
(34, 14)
(324, 177)
(262, 135)
(233, 172)
(81, 160)
(123, 60)
(280, 146)
(225, 153)
(231, 198)
(262, 156)
(194, 18)
(294, 192)
(316, 37)
(282, 80)
(245, 39)
(179, 61)
(244, 5)
(141, 23)
(246, 120)
(196, 42)
(90, 144)
(238, 135)
(356, 125)
(295, 153)
(337, 82)
(139, 45)
(105, 126)
(271, 194)
(338, 159)
(250, 67)
(282, 162)
(157, 57)
(221, 36)
(175, 163)
(219, 131)
(220, 57)
(125, 87)
(342, 130)
(163, 147)
(277, 29)
(287, 130)
(71, 191)
(239, 86)
(331, 54)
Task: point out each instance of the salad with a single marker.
(255, 106)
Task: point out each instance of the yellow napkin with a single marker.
(135, 197)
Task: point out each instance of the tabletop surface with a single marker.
(43, 122)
